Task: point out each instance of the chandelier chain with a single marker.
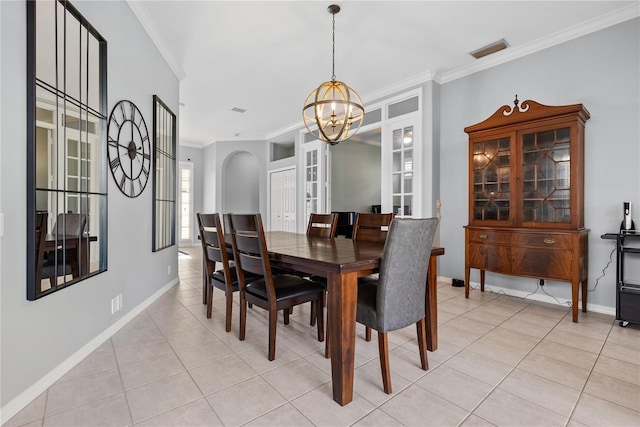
(333, 50)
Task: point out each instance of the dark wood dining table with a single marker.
(342, 261)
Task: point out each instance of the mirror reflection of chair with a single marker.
(50, 264)
(396, 298)
(271, 292)
(70, 224)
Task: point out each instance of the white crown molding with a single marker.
(617, 16)
(156, 37)
(192, 144)
(402, 85)
(579, 30)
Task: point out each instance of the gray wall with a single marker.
(194, 155)
(241, 183)
(37, 336)
(601, 71)
(355, 176)
(215, 183)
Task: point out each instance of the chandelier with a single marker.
(333, 112)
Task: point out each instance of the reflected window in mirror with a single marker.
(164, 178)
(66, 150)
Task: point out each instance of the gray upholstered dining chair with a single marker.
(396, 298)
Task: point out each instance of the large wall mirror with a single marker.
(164, 177)
(66, 150)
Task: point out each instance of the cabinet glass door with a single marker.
(546, 177)
(491, 179)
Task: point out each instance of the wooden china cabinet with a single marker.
(526, 196)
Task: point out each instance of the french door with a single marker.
(186, 214)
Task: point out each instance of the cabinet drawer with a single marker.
(489, 257)
(555, 264)
(490, 236)
(542, 240)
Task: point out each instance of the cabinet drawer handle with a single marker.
(549, 241)
(483, 236)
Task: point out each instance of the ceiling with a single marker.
(266, 56)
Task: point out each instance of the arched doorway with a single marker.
(241, 183)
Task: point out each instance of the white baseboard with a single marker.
(27, 396)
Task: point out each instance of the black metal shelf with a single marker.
(627, 291)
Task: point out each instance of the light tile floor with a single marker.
(501, 361)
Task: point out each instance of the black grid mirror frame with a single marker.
(164, 177)
(66, 150)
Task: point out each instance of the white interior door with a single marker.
(289, 202)
(283, 200)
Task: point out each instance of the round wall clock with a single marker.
(129, 150)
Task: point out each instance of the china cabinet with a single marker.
(526, 196)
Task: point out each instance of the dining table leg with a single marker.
(342, 296)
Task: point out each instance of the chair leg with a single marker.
(314, 314)
(320, 319)
(209, 293)
(422, 343)
(367, 333)
(286, 316)
(229, 296)
(383, 348)
(273, 323)
(327, 338)
(243, 317)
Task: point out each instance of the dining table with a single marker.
(341, 261)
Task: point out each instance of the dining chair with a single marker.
(322, 225)
(214, 250)
(370, 227)
(396, 298)
(272, 292)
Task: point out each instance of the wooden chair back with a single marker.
(213, 243)
(250, 250)
(371, 227)
(323, 225)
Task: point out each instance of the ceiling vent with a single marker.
(238, 110)
(489, 49)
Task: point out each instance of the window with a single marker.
(164, 181)
(66, 150)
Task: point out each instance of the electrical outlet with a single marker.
(116, 303)
(541, 282)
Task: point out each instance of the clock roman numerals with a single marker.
(131, 177)
(115, 163)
